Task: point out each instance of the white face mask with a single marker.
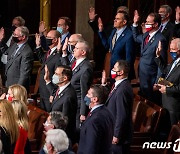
(56, 80)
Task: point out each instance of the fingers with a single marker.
(46, 68)
(136, 12)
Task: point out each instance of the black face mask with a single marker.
(70, 48)
(49, 41)
(15, 39)
(13, 28)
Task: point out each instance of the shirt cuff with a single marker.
(48, 82)
(135, 25)
(64, 55)
(177, 22)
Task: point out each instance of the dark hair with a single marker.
(100, 92)
(67, 71)
(168, 8)
(123, 65)
(58, 120)
(67, 20)
(157, 18)
(125, 14)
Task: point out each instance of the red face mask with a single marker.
(9, 98)
(148, 27)
(113, 74)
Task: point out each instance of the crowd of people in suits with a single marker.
(95, 117)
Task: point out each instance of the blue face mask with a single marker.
(87, 100)
(173, 55)
(59, 29)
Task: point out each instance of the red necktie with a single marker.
(57, 92)
(48, 53)
(73, 64)
(112, 89)
(146, 40)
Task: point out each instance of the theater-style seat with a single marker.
(36, 119)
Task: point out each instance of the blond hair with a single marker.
(8, 120)
(20, 110)
(19, 93)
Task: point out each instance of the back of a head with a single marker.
(20, 110)
(8, 120)
(58, 139)
(58, 120)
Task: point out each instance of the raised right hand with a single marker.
(92, 14)
(1, 33)
(42, 27)
(136, 17)
(100, 24)
(158, 50)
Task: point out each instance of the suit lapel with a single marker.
(78, 67)
(60, 95)
(174, 69)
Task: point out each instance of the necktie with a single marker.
(161, 28)
(57, 92)
(114, 40)
(73, 65)
(172, 67)
(15, 51)
(112, 89)
(48, 54)
(146, 40)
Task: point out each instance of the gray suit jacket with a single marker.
(18, 67)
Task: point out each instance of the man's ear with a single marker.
(120, 73)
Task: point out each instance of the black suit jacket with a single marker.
(171, 100)
(120, 103)
(66, 102)
(18, 67)
(81, 81)
(168, 31)
(52, 62)
(96, 132)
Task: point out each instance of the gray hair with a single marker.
(85, 46)
(168, 8)
(23, 31)
(58, 139)
(21, 20)
(177, 41)
(58, 120)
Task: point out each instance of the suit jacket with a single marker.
(96, 133)
(81, 81)
(123, 48)
(19, 67)
(168, 31)
(171, 99)
(177, 31)
(66, 102)
(52, 62)
(120, 103)
(148, 69)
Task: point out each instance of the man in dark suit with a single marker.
(120, 43)
(148, 69)
(120, 103)
(97, 130)
(63, 98)
(63, 26)
(166, 27)
(177, 23)
(82, 78)
(171, 94)
(52, 59)
(20, 59)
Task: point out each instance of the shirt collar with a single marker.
(152, 34)
(63, 36)
(63, 87)
(53, 49)
(119, 81)
(120, 31)
(95, 107)
(78, 61)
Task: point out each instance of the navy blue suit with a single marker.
(120, 103)
(96, 132)
(123, 48)
(148, 69)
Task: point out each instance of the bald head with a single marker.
(74, 38)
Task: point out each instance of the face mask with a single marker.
(87, 100)
(56, 80)
(148, 27)
(114, 74)
(162, 16)
(15, 39)
(13, 28)
(49, 41)
(9, 98)
(173, 55)
(70, 48)
(59, 29)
